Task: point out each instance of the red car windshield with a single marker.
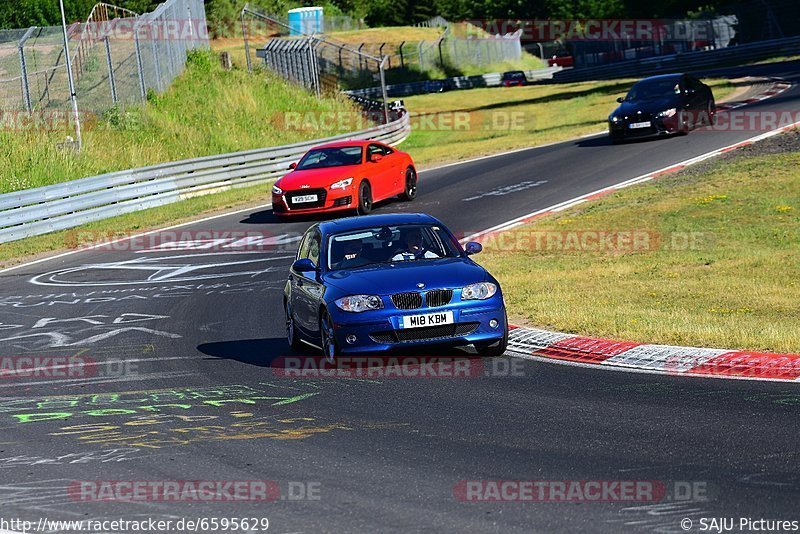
(321, 158)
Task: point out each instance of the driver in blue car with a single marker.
(414, 247)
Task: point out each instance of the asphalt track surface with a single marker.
(196, 399)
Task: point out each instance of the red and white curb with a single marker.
(697, 362)
(776, 88)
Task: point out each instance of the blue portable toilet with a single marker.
(308, 20)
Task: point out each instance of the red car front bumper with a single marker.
(328, 200)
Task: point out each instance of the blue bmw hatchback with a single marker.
(373, 283)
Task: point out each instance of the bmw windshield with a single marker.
(390, 244)
(653, 89)
(321, 158)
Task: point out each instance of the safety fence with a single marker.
(62, 206)
(320, 62)
(450, 84)
(117, 56)
(732, 55)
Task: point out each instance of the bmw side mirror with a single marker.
(292, 166)
(304, 265)
(473, 247)
(620, 99)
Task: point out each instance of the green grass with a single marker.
(391, 35)
(206, 111)
(516, 117)
(736, 284)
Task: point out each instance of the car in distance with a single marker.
(662, 105)
(375, 283)
(513, 78)
(345, 175)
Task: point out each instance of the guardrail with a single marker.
(460, 82)
(686, 61)
(62, 206)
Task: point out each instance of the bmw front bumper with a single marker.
(381, 330)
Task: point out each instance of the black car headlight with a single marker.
(614, 119)
(666, 113)
(359, 303)
(479, 291)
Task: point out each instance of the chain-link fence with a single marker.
(117, 56)
(320, 63)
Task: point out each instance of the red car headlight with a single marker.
(342, 184)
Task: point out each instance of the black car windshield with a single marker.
(652, 89)
(320, 158)
(390, 244)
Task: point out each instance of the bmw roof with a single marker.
(368, 221)
(674, 75)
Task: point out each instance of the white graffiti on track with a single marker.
(132, 294)
(61, 337)
(100, 456)
(149, 270)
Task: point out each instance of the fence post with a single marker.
(312, 50)
(402, 60)
(156, 62)
(383, 91)
(139, 64)
(246, 43)
(26, 90)
(111, 79)
(441, 57)
(360, 68)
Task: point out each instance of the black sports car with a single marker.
(662, 105)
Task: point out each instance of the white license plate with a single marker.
(428, 319)
(645, 124)
(304, 199)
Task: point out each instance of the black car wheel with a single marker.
(410, 192)
(711, 112)
(291, 331)
(364, 199)
(328, 337)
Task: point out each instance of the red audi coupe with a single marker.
(345, 175)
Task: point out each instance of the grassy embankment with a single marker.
(722, 268)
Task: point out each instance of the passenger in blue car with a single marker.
(414, 248)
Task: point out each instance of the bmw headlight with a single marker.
(359, 303)
(479, 291)
(666, 113)
(614, 118)
(342, 184)
(276, 190)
